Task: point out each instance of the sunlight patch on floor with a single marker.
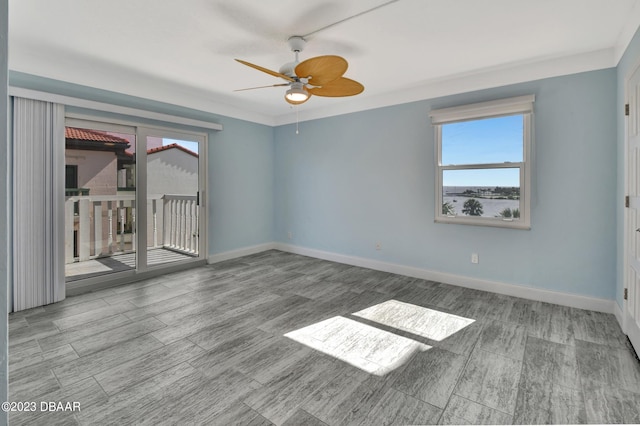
(425, 322)
(367, 348)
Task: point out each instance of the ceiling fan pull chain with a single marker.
(297, 132)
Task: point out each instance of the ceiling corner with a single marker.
(627, 32)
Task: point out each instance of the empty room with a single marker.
(369, 212)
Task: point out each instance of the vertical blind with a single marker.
(38, 212)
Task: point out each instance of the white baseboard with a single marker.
(617, 311)
(559, 298)
(244, 251)
(566, 299)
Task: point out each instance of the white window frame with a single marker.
(521, 105)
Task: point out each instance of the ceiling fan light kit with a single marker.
(319, 76)
(297, 94)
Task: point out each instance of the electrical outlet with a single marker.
(474, 258)
(289, 235)
(378, 246)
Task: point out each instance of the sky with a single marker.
(492, 140)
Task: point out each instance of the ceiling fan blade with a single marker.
(322, 69)
(268, 71)
(261, 87)
(337, 88)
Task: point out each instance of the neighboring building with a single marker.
(172, 169)
(91, 161)
(126, 164)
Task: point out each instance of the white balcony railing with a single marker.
(104, 225)
(181, 223)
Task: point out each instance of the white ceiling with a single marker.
(182, 52)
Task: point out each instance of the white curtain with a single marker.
(38, 200)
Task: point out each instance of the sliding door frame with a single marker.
(141, 131)
(141, 187)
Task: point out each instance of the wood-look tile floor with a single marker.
(207, 346)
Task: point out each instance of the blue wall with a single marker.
(241, 186)
(240, 164)
(346, 182)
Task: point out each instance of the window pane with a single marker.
(100, 224)
(172, 200)
(484, 193)
(491, 140)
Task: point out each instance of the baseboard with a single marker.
(244, 251)
(559, 298)
(617, 311)
(566, 299)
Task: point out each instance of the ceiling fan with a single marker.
(319, 76)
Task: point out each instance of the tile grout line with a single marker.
(148, 378)
(486, 406)
(582, 390)
(519, 389)
(462, 371)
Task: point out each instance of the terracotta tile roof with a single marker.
(173, 145)
(92, 135)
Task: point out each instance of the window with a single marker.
(483, 169)
(71, 176)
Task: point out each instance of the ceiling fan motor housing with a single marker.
(288, 69)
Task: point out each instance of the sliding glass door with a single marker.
(133, 199)
(172, 193)
(100, 199)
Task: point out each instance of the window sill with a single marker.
(495, 223)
